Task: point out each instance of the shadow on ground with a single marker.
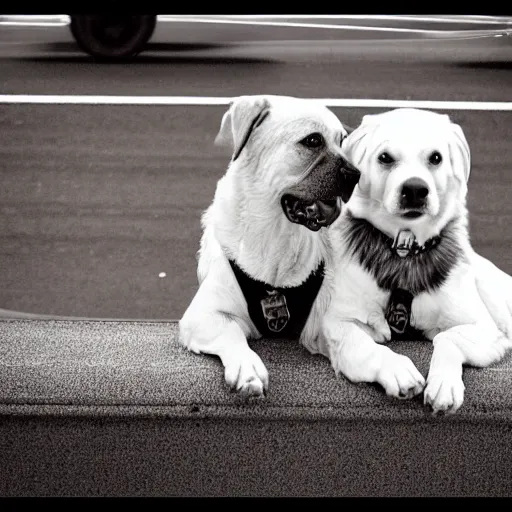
(65, 52)
(491, 64)
(71, 46)
(144, 60)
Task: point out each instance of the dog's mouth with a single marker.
(312, 214)
(413, 214)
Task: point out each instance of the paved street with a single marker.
(100, 204)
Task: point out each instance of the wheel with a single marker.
(114, 36)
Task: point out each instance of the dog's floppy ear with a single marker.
(460, 155)
(244, 115)
(354, 146)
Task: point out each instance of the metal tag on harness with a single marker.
(398, 312)
(404, 243)
(275, 311)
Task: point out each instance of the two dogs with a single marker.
(394, 256)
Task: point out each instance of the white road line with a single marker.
(466, 19)
(214, 101)
(61, 20)
(40, 20)
(439, 33)
(455, 18)
(34, 23)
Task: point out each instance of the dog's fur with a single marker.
(398, 153)
(246, 224)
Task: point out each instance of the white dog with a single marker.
(402, 248)
(263, 253)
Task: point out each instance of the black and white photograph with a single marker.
(255, 255)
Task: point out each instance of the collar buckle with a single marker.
(405, 244)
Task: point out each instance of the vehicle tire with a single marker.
(114, 36)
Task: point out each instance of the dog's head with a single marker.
(289, 150)
(415, 166)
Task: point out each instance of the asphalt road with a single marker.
(97, 202)
(205, 60)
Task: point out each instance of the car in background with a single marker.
(117, 36)
(112, 36)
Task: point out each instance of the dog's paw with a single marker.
(399, 377)
(444, 393)
(247, 375)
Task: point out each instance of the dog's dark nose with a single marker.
(348, 178)
(414, 193)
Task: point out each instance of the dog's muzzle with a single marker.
(316, 209)
(414, 197)
(312, 214)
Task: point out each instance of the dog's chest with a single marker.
(425, 314)
(279, 312)
(412, 318)
(411, 309)
(409, 274)
(417, 272)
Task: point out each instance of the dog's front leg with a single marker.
(356, 355)
(243, 368)
(219, 334)
(473, 344)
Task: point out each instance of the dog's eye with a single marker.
(314, 140)
(385, 158)
(435, 158)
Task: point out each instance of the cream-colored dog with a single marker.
(402, 248)
(265, 249)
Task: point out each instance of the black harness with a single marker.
(279, 312)
(403, 267)
(398, 310)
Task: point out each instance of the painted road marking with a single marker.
(265, 20)
(466, 19)
(214, 101)
(433, 33)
